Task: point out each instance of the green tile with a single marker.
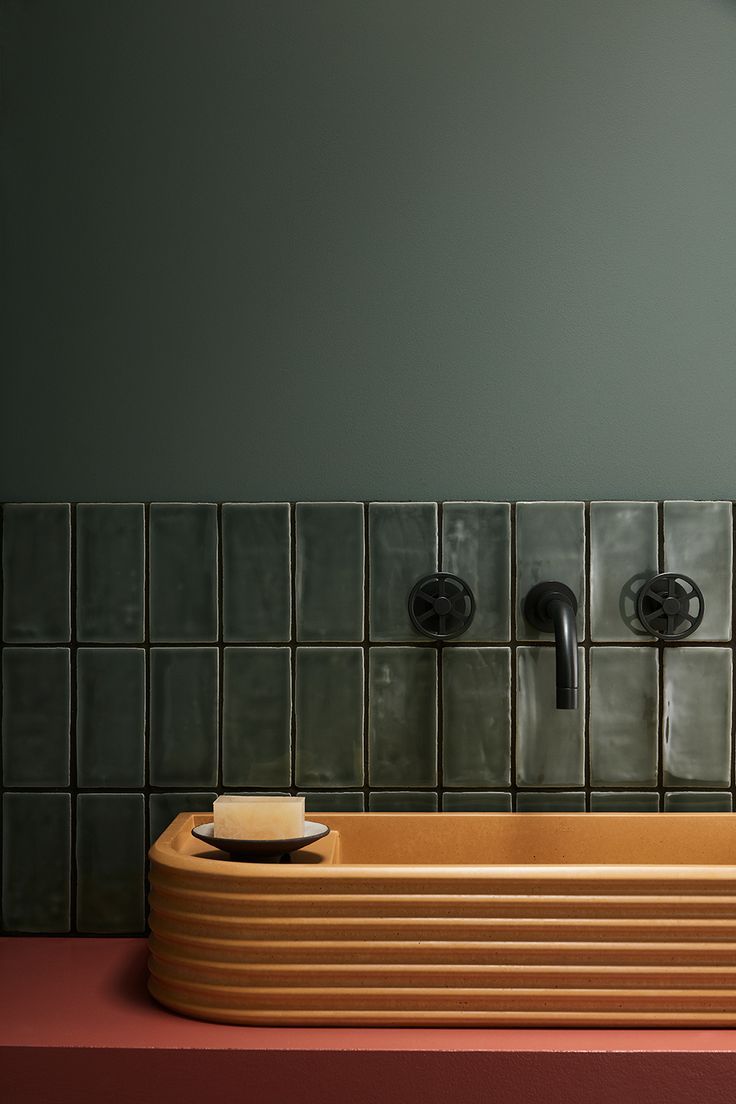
(36, 716)
(110, 567)
(684, 802)
(111, 847)
(549, 741)
(184, 717)
(476, 691)
(402, 548)
(624, 716)
(402, 716)
(330, 569)
(36, 862)
(697, 717)
(36, 556)
(256, 740)
(111, 706)
(550, 547)
(623, 556)
(476, 802)
(573, 802)
(476, 545)
(329, 716)
(256, 549)
(405, 801)
(624, 802)
(164, 807)
(183, 571)
(332, 801)
(698, 541)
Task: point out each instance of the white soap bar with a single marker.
(258, 817)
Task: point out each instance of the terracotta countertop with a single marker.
(75, 1015)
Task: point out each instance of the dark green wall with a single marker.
(288, 249)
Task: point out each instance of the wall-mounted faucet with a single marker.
(551, 607)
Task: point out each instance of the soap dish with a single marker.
(246, 850)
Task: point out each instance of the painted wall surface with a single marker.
(277, 250)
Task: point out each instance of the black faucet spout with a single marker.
(552, 607)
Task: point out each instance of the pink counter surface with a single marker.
(77, 1026)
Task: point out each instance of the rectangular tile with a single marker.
(36, 574)
(163, 807)
(402, 548)
(476, 693)
(624, 802)
(549, 741)
(256, 569)
(623, 557)
(476, 802)
(36, 862)
(36, 716)
(476, 545)
(405, 801)
(332, 801)
(111, 848)
(329, 716)
(256, 733)
(697, 716)
(550, 546)
(572, 802)
(624, 716)
(183, 571)
(685, 802)
(330, 568)
(698, 541)
(184, 716)
(402, 717)
(110, 568)
(111, 713)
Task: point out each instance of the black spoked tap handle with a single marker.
(670, 606)
(441, 605)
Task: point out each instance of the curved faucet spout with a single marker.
(551, 607)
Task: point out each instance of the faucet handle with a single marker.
(663, 606)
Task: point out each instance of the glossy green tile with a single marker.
(36, 577)
(476, 802)
(111, 848)
(624, 802)
(697, 717)
(573, 802)
(111, 707)
(698, 541)
(329, 716)
(184, 716)
(623, 557)
(36, 862)
(330, 568)
(549, 741)
(163, 807)
(110, 568)
(256, 734)
(406, 801)
(36, 716)
(402, 716)
(332, 801)
(476, 693)
(550, 546)
(476, 545)
(183, 571)
(256, 550)
(624, 716)
(402, 548)
(713, 802)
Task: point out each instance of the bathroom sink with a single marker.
(454, 919)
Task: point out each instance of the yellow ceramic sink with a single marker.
(468, 918)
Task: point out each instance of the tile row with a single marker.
(330, 688)
(107, 856)
(251, 555)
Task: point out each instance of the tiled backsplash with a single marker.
(155, 656)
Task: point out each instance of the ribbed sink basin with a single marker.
(454, 919)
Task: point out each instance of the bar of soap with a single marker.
(258, 817)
